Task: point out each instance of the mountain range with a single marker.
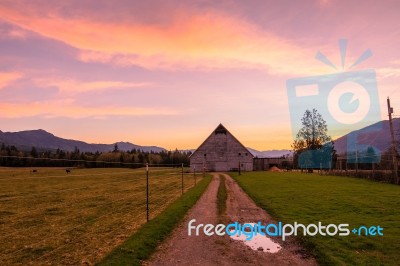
(44, 140)
(376, 135)
(270, 153)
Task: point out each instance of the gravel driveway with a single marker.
(181, 249)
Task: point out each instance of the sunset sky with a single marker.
(166, 73)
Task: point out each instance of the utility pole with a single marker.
(394, 153)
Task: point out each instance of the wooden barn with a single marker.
(221, 152)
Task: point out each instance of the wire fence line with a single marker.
(382, 167)
(70, 175)
(62, 219)
(71, 163)
(385, 176)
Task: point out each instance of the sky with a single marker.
(166, 73)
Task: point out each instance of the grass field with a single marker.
(51, 217)
(310, 198)
(144, 242)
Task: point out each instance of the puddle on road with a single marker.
(258, 241)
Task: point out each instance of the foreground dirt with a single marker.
(181, 249)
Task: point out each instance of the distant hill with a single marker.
(269, 153)
(44, 140)
(376, 135)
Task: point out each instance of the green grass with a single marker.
(51, 217)
(221, 197)
(310, 198)
(144, 242)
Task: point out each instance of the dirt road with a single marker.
(181, 249)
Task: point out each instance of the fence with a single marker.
(357, 166)
(53, 217)
(385, 176)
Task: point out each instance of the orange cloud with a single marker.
(71, 87)
(66, 108)
(199, 41)
(8, 77)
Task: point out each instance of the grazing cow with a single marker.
(67, 171)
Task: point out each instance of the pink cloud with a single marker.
(208, 41)
(7, 78)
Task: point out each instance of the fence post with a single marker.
(182, 178)
(240, 173)
(147, 191)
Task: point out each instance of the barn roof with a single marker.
(221, 130)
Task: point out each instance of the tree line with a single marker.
(11, 156)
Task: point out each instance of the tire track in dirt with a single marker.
(241, 208)
(181, 249)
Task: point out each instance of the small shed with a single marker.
(262, 164)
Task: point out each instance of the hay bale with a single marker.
(275, 169)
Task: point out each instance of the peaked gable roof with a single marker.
(221, 130)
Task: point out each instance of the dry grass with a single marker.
(51, 217)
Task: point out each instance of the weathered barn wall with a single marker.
(261, 164)
(221, 151)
